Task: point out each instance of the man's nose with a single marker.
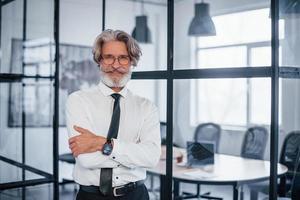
(116, 64)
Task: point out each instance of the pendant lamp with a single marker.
(141, 31)
(202, 24)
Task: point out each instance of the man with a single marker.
(114, 134)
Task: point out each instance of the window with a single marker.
(242, 40)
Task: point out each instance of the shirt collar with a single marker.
(107, 91)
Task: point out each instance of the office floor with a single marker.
(68, 192)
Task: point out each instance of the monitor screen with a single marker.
(199, 154)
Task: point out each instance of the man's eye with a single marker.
(123, 57)
(109, 57)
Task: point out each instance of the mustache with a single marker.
(121, 70)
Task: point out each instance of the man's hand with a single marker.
(86, 142)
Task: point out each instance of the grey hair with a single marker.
(133, 48)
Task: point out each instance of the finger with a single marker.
(74, 149)
(72, 145)
(72, 140)
(80, 129)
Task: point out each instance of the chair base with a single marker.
(187, 195)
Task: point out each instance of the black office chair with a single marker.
(254, 145)
(255, 142)
(207, 132)
(289, 156)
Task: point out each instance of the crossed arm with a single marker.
(86, 142)
(86, 146)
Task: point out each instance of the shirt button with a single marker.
(117, 177)
(118, 165)
(114, 157)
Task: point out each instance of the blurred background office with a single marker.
(204, 63)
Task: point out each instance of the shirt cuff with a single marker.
(116, 149)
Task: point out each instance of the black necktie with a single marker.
(106, 173)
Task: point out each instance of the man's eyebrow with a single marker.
(114, 55)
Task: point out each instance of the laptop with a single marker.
(200, 153)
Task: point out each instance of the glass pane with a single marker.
(290, 132)
(154, 52)
(214, 102)
(213, 130)
(290, 105)
(36, 137)
(207, 57)
(31, 97)
(154, 90)
(11, 113)
(77, 67)
(11, 173)
(261, 56)
(260, 99)
(289, 113)
(240, 26)
(11, 32)
(289, 13)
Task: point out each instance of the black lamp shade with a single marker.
(202, 24)
(141, 32)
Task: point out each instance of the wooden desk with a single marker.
(227, 170)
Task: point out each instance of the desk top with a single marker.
(226, 169)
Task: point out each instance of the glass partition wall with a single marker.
(28, 86)
(227, 96)
(289, 70)
(224, 74)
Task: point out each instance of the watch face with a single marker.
(107, 149)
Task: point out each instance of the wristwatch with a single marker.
(107, 147)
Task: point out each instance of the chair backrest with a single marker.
(290, 155)
(290, 150)
(254, 143)
(208, 132)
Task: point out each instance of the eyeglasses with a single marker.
(110, 59)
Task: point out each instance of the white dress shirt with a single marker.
(138, 143)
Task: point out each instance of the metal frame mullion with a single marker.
(23, 118)
(170, 45)
(103, 14)
(56, 102)
(274, 99)
(241, 72)
(18, 184)
(150, 75)
(25, 167)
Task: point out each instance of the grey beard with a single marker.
(112, 83)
